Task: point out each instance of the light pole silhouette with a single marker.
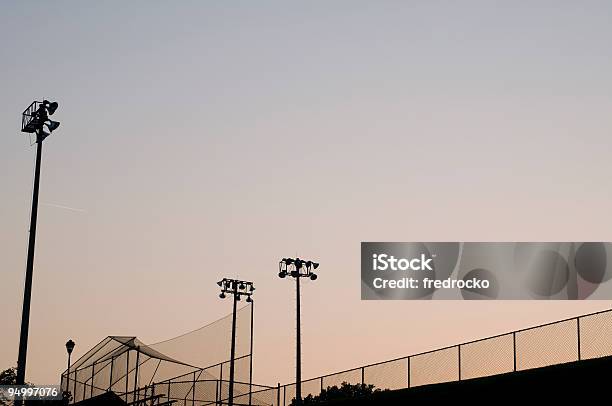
(297, 268)
(69, 347)
(235, 288)
(34, 120)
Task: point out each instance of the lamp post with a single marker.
(298, 268)
(235, 288)
(35, 120)
(69, 348)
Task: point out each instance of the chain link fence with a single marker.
(579, 338)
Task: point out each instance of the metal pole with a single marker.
(278, 403)
(193, 388)
(459, 359)
(110, 383)
(251, 359)
(408, 368)
(578, 327)
(127, 376)
(221, 384)
(75, 387)
(136, 374)
(217, 398)
(298, 355)
(27, 292)
(514, 348)
(68, 375)
(233, 353)
(93, 370)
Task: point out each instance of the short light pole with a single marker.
(235, 288)
(298, 268)
(69, 348)
(34, 120)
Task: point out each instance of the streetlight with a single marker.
(69, 348)
(236, 288)
(34, 120)
(298, 268)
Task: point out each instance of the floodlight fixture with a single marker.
(35, 119)
(51, 106)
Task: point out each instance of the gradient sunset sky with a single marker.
(201, 140)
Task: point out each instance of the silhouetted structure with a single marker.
(191, 368)
(236, 288)
(580, 338)
(298, 268)
(586, 381)
(105, 399)
(34, 121)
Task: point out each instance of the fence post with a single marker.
(193, 390)
(127, 375)
(221, 383)
(217, 392)
(74, 385)
(408, 369)
(110, 384)
(285, 395)
(514, 348)
(321, 384)
(93, 369)
(168, 391)
(278, 395)
(578, 328)
(362, 376)
(459, 359)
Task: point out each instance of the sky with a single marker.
(202, 140)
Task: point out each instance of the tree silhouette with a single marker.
(345, 391)
(7, 377)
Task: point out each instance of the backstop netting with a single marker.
(188, 369)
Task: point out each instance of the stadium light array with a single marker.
(298, 268)
(234, 288)
(34, 120)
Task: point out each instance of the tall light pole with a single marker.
(69, 347)
(235, 288)
(35, 120)
(298, 268)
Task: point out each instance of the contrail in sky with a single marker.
(64, 207)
